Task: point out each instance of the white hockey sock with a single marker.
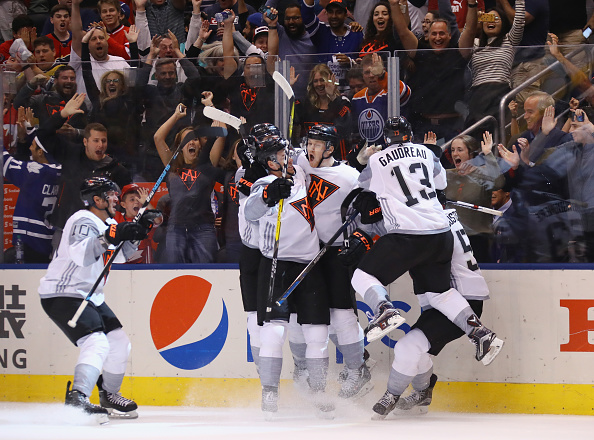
(297, 342)
(114, 366)
(409, 353)
(371, 290)
(85, 378)
(349, 336)
(254, 332)
(453, 305)
(272, 338)
(316, 355)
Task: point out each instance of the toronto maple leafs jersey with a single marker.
(39, 187)
(298, 240)
(404, 179)
(248, 230)
(327, 189)
(80, 259)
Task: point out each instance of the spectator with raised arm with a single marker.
(79, 160)
(161, 100)
(334, 40)
(474, 184)
(237, 6)
(101, 61)
(529, 56)
(163, 16)
(492, 60)
(438, 81)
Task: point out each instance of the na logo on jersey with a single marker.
(106, 256)
(248, 96)
(233, 191)
(319, 190)
(189, 177)
(304, 208)
(371, 124)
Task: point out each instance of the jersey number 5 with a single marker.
(426, 193)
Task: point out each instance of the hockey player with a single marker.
(330, 182)
(405, 176)
(298, 244)
(249, 260)
(88, 240)
(433, 331)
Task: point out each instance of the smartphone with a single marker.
(265, 10)
(578, 118)
(587, 32)
(180, 108)
(487, 18)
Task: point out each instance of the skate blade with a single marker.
(365, 389)
(414, 411)
(377, 416)
(325, 415)
(377, 333)
(494, 350)
(115, 414)
(101, 419)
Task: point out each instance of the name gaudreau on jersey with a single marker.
(402, 152)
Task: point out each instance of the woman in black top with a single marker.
(191, 235)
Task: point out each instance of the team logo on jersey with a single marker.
(248, 96)
(189, 177)
(319, 190)
(107, 255)
(176, 317)
(371, 124)
(233, 191)
(305, 210)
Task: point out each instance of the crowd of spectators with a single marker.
(111, 88)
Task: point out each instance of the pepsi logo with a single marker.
(175, 313)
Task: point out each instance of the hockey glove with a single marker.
(276, 190)
(352, 251)
(245, 154)
(252, 173)
(125, 231)
(150, 218)
(369, 207)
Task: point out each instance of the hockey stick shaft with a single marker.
(83, 305)
(476, 208)
(312, 263)
(288, 91)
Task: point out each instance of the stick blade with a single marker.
(219, 115)
(283, 84)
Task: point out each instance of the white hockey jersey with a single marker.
(248, 230)
(298, 237)
(404, 179)
(80, 259)
(327, 189)
(466, 276)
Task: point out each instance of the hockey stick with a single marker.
(288, 91)
(312, 263)
(221, 116)
(476, 208)
(83, 305)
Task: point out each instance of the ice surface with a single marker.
(35, 421)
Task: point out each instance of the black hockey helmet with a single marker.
(267, 149)
(397, 130)
(324, 132)
(259, 132)
(96, 186)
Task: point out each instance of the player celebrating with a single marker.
(298, 244)
(433, 331)
(405, 177)
(90, 236)
(330, 182)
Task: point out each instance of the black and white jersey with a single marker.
(466, 276)
(327, 189)
(404, 179)
(80, 259)
(248, 230)
(298, 237)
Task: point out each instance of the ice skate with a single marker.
(357, 383)
(386, 320)
(116, 405)
(269, 402)
(488, 345)
(78, 399)
(385, 405)
(418, 399)
(369, 361)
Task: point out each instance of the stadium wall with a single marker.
(190, 345)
